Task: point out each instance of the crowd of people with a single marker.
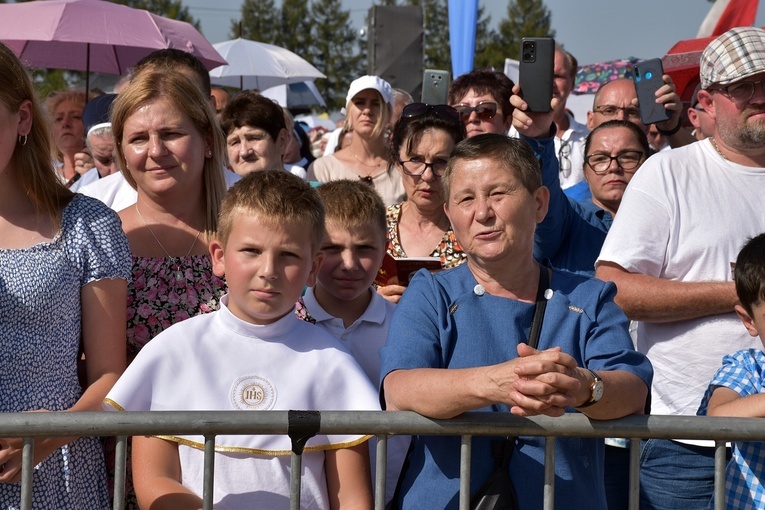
(176, 233)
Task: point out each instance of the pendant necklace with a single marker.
(173, 260)
(367, 179)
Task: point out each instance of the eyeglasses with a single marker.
(485, 110)
(609, 110)
(742, 91)
(415, 167)
(627, 161)
(563, 153)
(443, 111)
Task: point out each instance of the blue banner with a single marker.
(463, 16)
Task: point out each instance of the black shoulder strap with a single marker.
(539, 307)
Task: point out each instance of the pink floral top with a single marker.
(157, 298)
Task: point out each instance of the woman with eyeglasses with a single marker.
(418, 227)
(369, 106)
(573, 232)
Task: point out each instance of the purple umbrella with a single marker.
(95, 35)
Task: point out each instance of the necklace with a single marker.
(366, 179)
(376, 165)
(176, 260)
(714, 144)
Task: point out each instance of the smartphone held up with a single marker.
(647, 77)
(535, 73)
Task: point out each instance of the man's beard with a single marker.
(747, 135)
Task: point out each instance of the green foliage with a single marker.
(334, 39)
(295, 28)
(489, 52)
(436, 47)
(525, 18)
(260, 22)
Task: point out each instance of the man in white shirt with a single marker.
(683, 220)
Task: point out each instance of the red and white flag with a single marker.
(727, 14)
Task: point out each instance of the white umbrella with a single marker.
(257, 65)
(295, 95)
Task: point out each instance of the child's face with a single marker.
(755, 323)
(352, 257)
(266, 267)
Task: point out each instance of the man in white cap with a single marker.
(683, 220)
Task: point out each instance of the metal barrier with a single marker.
(211, 423)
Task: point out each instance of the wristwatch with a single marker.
(596, 390)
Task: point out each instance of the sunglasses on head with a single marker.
(442, 111)
(485, 110)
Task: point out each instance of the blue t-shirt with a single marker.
(441, 322)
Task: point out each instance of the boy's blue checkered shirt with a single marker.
(743, 373)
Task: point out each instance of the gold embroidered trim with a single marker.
(253, 451)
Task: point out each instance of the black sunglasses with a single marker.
(443, 111)
(485, 110)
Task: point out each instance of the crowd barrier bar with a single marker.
(382, 424)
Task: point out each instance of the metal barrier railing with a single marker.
(382, 424)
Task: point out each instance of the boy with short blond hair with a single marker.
(738, 387)
(343, 301)
(253, 354)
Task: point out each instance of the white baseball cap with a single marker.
(370, 82)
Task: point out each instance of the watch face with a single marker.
(597, 390)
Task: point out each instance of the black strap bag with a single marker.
(498, 492)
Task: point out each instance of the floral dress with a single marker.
(164, 291)
(158, 298)
(40, 328)
(449, 249)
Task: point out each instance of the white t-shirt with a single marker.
(684, 217)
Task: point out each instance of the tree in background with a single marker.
(173, 9)
(259, 22)
(525, 18)
(435, 15)
(296, 25)
(334, 40)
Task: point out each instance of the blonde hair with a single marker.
(33, 159)
(383, 120)
(350, 203)
(183, 93)
(277, 197)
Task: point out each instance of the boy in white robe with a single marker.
(253, 354)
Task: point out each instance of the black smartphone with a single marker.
(646, 76)
(535, 72)
(435, 86)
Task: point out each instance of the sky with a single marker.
(592, 30)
